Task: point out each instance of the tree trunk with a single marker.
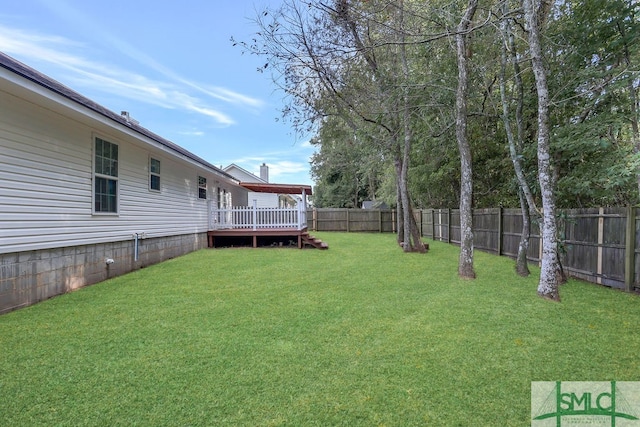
(524, 193)
(406, 208)
(522, 265)
(412, 237)
(400, 210)
(548, 284)
(465, 264)
(408, 232)
(406, 147)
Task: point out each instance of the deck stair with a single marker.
(308, 239)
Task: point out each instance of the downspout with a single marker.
(135, 247)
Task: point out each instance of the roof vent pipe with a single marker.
(127, 117)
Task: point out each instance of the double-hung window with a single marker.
(105, 177)
(154, 174)
(202, 187)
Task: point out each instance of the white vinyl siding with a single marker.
(242, 175)
(263, 200)
(46, 174)
(238, 196)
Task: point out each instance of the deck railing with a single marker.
(254, 218)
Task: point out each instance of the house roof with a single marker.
(263, 187)
(249, 175)
(56, 87)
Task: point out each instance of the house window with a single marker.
(202, 187)
(105, 192)
(154, 174)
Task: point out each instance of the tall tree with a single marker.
(465, 264)
(535, 13)
(509, 56)
(378, 35)
(340, 58)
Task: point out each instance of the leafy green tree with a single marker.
(346, 171)
(552, 123)
(594, 81)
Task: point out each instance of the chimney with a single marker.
(264, 172)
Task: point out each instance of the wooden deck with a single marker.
(301, 237)
(293, 233)
(277, 226)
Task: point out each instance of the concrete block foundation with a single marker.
(33, 276)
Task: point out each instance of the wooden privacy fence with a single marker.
(371, 220)
(599, 245)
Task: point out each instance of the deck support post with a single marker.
(302, 210)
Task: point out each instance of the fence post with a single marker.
(600, 245)
(630, 250)
(393, 220)
(500, 231)
(380, 219)
(433, 224)
(315, 219)
(348, 221)
(448, 225)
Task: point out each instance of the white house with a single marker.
(87, 194)
(262, 199)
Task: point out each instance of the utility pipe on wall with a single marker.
(135, 246)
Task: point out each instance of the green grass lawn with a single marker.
(361, 334)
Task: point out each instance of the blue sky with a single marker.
(171, 64)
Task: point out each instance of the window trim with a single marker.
(201, 188)
(156, 174)
(95, 175)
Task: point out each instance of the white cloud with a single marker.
(277, 166)
(210, 112)
(36, 48)
(233, 97)
(307, 144)
(65, 11)
(192, 133)
(284, 167)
